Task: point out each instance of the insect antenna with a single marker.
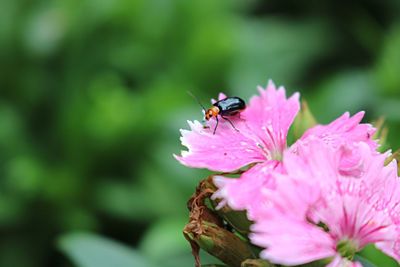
(197, 100)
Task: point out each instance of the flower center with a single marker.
(347, 248)
(276, 155)
(273, 154)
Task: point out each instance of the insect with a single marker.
(227, 107)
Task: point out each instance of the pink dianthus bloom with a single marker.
(244, 193)
(261, 139)
(261, 136)
(345, 130)
(316, 211)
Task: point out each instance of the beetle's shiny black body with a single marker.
(230, 106)
(226, 107)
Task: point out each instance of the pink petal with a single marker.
(283, 229)
(364, 209)
(220, 97)
(344, 129)
(270, 115)
(261, 136)
(341, 262)
(290, 242)
(245, 192)
(309, 157)
(351, 162)
(353, 208)
(292, 195)
(226, 151)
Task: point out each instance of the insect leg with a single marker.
(233, 126)
(216, 125)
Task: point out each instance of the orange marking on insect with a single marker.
(211, 112)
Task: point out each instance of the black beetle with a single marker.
(229, 106)
(226, 107)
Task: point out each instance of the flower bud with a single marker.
(205, 230)
(304, 120)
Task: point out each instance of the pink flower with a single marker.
(316, 211)
(244, 193)
(262, 126)
(345, 130)
(261, 139)
(341, 262)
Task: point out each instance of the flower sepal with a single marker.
(220, 243)
(364, 262)
(236, 219)
(256, 263)
(303, 121)
(206, 230)
(381, 133)
(394, 156)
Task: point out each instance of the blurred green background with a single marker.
(93, 92)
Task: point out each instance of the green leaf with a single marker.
(303, 121)
(364, 262)
(256, 263)
(370, 252)
(341, 92)
(389, 62)
(164, 239)
(265, 50)
(90, 250)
